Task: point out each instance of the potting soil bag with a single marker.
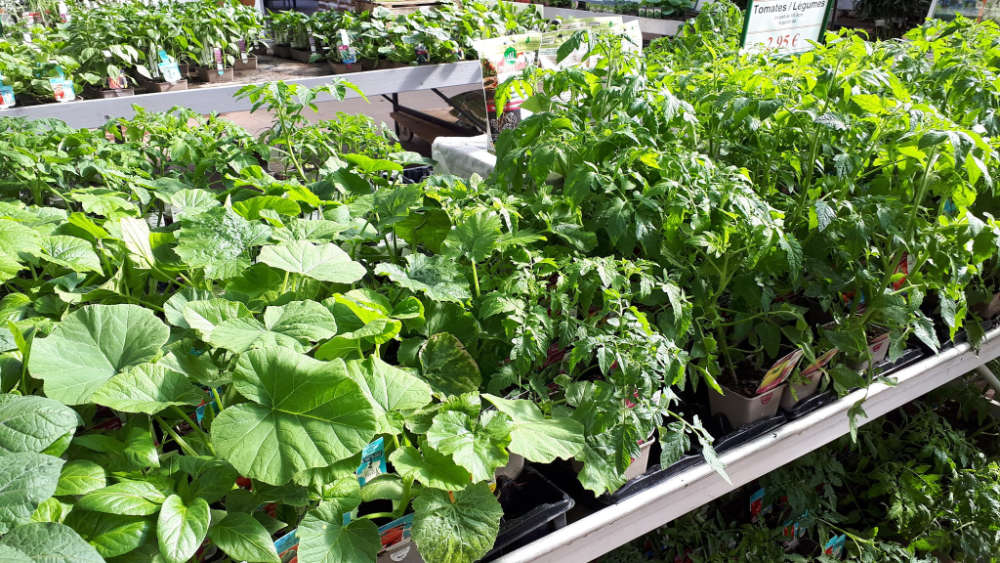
(503, 58)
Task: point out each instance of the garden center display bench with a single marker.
(221, 98)
(694, 486)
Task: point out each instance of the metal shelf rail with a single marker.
(650, 26)
(95, 113)
(615, 525)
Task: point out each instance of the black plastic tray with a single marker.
(549, 514)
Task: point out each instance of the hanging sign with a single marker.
(784, 26)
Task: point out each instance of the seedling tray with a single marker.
(540, 507)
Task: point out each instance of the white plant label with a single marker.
(784, 26)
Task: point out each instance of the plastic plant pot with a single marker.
(741, 410)
(119, 93)
(641, 463)
(341, 68)
(212, 75)
(796, 393)
(301, 55)
(251, 64)
(155, 87)
(513, 469)
(990, 309)
(403, 551)
(878, 347)
(283, 51)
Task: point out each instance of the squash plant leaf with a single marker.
(429, 467)
(26, 480)
(50, 542)
(147, 388)
(460, 530)
(294, 325)
(448, 367)
(538, 438)
(181, 527)
(243, 538)
(111, 534)
(391, 391)
(303, 413)
(434, 276)
(323, 262)
(219, 242)
(93, 344)
(70, 252)
(31, 423)
(475, 236)
(323, 537)
(477, 444)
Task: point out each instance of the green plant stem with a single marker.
(194, 426)
(475, 278)
(176, 437)
(218, 399)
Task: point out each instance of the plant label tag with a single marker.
(26, 36)
(171, 73)
(7, 97)
(757, 503)
(312, 44)
(243, 50)
(63, 13)
(835, 547)
(62, 90)
(119, 82)
(28, 17)
(423, 56)
(820, 362)
(904, 269)
(219, 67)
(784, 26)
(779, 372)
(396, 531)
(372, 462)
(287, 545)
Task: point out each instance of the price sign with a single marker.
(784, 26)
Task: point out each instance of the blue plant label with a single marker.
(372, 462)
(835, 547)
(170, 71)
(7, 97)
(199, 413)
(287, 546)
(62, 89)
(348, 54)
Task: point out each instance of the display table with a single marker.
(463, 156)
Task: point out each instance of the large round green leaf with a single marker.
(93, 344)
(323, 262)
(182, 527)
(536, 437)
(147, 388)
(31, 424)
(460, 530)
(243, 538)
(304, 413)
(447, 366)
(48, 542)
(323, 537)
(26, 479)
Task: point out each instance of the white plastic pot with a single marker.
(741, 410)
(801, 391)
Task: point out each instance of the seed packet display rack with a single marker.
(611, 527)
